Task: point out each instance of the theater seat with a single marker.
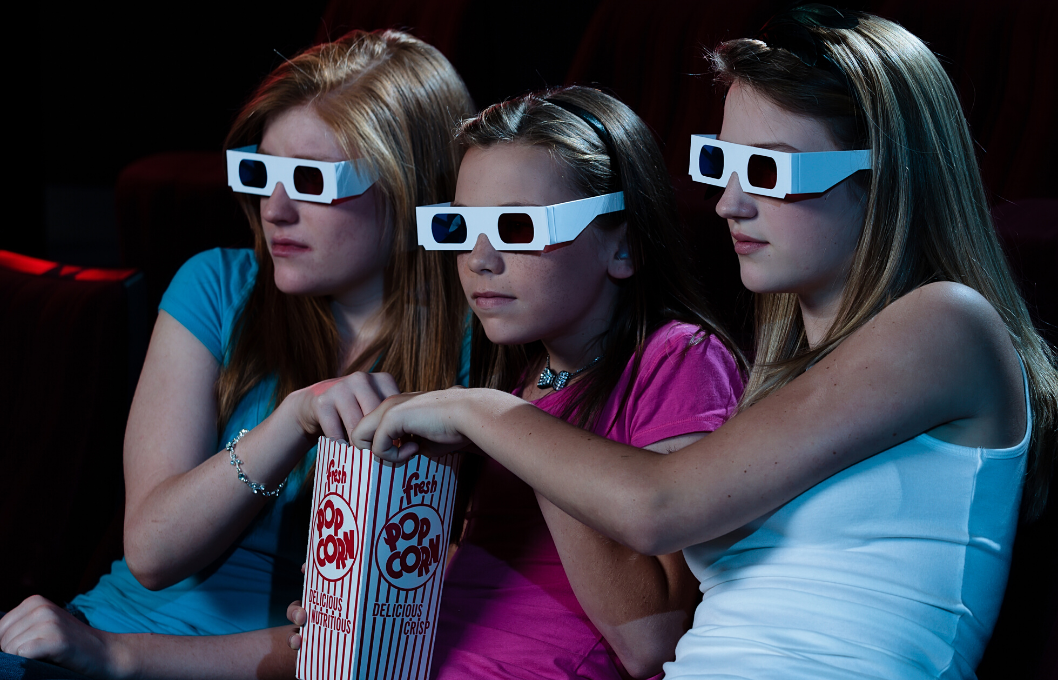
(72, 341)
(171, 206)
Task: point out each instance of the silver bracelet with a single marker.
(254, 486)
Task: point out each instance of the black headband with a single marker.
(600, 129)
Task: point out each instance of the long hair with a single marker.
(390, 99)
(876, 86)
(662, 287)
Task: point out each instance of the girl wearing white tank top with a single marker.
(856, 518)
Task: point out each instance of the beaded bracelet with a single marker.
(254, 486)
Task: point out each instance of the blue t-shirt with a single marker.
(250, 586)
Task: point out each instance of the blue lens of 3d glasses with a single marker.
(253, 174)
(449, 228)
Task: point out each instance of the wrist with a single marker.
(119, 656)
(483, 405)
(294, 414)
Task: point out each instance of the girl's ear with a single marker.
(621, 266)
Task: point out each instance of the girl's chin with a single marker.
(300, 285)
(759, 282)
(499, 335)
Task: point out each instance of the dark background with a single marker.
(100, 87)
(113, 84)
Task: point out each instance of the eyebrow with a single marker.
(308, 157)
(771, 146)
(515, 204)
(777, 146)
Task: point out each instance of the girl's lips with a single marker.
(489, 300)
(282, 247)
(744, 245)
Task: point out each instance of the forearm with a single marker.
(187, 520)
(641, 604)
(562, 463)
(257, 654)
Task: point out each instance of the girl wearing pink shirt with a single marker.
(587, 310)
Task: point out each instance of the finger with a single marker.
(350, 410)
(39, 639)
(296, 614)
(363, 434)
(294, 641)
(21, 618)
(388, 446)
(407, 450)
(364, 392)
(385, 385)
(303, 565)
(328, 418)
(32, 645)
(6, 621)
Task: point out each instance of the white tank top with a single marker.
(892, 568)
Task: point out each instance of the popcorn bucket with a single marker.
(378, 540)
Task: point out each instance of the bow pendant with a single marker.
(549, 378)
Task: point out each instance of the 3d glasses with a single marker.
(772, 173)
(443, 227)
(303, 179)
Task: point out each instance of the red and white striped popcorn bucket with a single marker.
(378, 539)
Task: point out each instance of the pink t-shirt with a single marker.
(508, 610)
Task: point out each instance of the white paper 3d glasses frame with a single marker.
(303, 179)
(771, 173)
(516, 227)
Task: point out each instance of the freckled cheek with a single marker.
(574, 284)
(537, 281)
(357, 237)
(466, 272)
(466, 276)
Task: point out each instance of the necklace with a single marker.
(557, 381)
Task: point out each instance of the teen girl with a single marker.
(573, 263)
(330, 157)
(600, 325)
(855, 519)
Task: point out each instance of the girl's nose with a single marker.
(279, 208)
(735, 204)
(484, 258)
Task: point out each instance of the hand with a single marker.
(429, 415)
(297, 615)
(37, 629)
(334, 407)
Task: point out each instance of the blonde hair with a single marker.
(927, 218)
(392, 100)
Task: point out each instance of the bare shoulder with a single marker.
(954, 344)
(942, 321)
(952, 306)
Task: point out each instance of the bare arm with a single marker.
(641, 604)
(938, 360)
(184, 502)
(37, 629)
(260, 654)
